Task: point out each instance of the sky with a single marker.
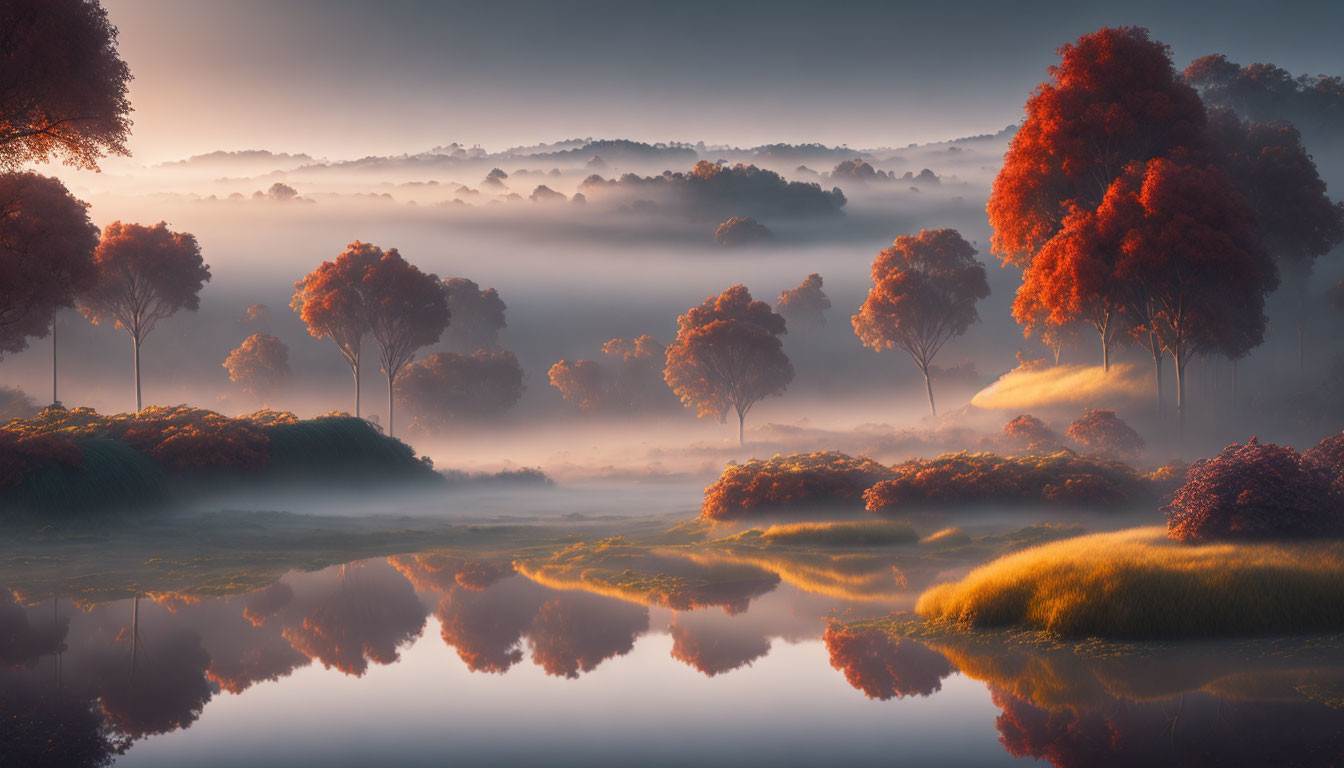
(348, 78)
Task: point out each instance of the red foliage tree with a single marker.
(924, 292)
(260, 365)
(1104, 433)
(447, 388)
(46, 257)
(330, 302)
(804, 305)
(477, 316)
(64, 85)
(144, 274)
(1113, 99)
(1255, 490)
(1192, 264)
(581, 382)
(407, 309)
(727, 354)
(1329, 454)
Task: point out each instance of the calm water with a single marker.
(433, 661)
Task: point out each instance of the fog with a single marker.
(574, 275)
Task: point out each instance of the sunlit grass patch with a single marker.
(1139, 584)
(861, 533)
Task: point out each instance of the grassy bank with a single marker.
(1138, 584)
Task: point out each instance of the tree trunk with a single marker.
(355, 369)
(389, 405)
(928, 384)
(1180, 396)
(1157, 366)
(135, 341)
(741, 418)
(1105, 354)
(1234, 382)
(54, 399)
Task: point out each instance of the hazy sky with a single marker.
(347, 78)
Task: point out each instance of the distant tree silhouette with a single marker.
(257, 317)
(629, 377)
(477, 316)
(64, 94)
(727, 354)
(144, 275)
(447, 388)
(806, 304)
(260, 365)
(924, 292)
(741, 230)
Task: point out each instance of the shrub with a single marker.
(1255, 490)
(741, 230)
(1105, 433)
(790, 482)
(1329, 455)
(969, 478)
(1031, 434)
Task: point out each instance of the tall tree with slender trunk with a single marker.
(407, 309)
(144, 275)
(728, 354)
(331, 303)
(925, 288)
(46, 258)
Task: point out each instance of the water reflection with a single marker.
(1254, 703)
(80, 685)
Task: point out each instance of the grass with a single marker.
(861, 533)
(947, 537)
(1137, 584)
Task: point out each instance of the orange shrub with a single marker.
(969, 478)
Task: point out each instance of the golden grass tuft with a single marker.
(861, 533)
(1138, 584)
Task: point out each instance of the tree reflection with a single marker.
(575, 632)
(883, 666)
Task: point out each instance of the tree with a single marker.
(741, 230)
(629, 379)
(62, 84)
(924, 292)
(1072, 280)
(728, 354)
(407, 309)
(1296, 222)
(46, 258)
(143, 275)
(1192, 260)
(477, 316)
(260, 364)
(806, 304)
(1113, 99)
(447, 388)
(330, 301)
(258, 317)
(1265, 92)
